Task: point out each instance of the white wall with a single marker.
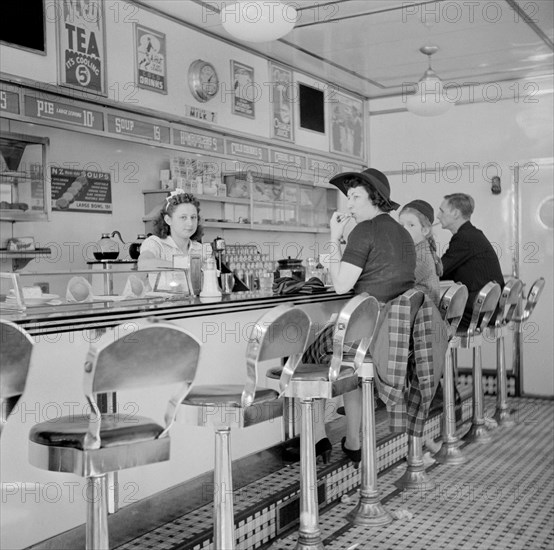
(463, 149)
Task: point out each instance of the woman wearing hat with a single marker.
(417, 218)
(379, 258)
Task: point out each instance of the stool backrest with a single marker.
(15, 357)
(509, 300)
(484, 306)
(140, 354)
(452, 305)
(355, 322)
(281, 332)
(531, 301)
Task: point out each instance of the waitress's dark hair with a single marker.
(162, 230)
(376, 199)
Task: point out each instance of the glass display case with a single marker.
(66, 290)
(24, 188)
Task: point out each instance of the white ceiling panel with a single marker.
(371, 47)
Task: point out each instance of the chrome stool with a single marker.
(484, 307)
(509, 300)
(369, 510)
(15, 357)
(309, 382)
(452, 305)
(281, 332)
(146, 353)
(521, 315)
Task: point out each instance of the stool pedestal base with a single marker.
(450, 454)
(478, 433)
(308, 541)
(369, 511)
(504, 418)
(415, 476)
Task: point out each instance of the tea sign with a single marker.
(82, 55)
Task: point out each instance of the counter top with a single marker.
(49, 319)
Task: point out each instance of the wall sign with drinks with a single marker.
(151, 58)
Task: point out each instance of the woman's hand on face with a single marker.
(337, 224)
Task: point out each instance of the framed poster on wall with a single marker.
(81, 45)
(150, 59)
(76, 190)
(282, 94)
(244, 89)
(347, 125)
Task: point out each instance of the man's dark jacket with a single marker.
(472, 261)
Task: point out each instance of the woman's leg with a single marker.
(353, 410)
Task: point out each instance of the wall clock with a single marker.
(203, 80)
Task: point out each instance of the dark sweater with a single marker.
(385, 251)
(472, 261)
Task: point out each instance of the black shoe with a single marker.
(323, 448)
(354, 456)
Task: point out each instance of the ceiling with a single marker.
(371, 47)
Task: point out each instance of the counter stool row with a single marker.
(93, 446)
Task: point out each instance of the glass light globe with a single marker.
(258, 21)
(429, 98)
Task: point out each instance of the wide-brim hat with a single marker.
(374, 178)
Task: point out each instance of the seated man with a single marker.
(470, 258)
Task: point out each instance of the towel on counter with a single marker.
(288, 285)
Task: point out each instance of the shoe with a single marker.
(323, 448)
(354, 456)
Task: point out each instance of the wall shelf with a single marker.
(21, 258)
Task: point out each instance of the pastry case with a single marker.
(24, 185)
(67, 291)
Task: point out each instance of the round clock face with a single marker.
(203, 80)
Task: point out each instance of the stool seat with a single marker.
(96, 444)
(225, 395)
(308, 371)
(220, 407)
(116, 429)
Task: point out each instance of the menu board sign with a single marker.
(282, 157)
(63, 112)
(81, 190)
(195, 140)
(200, 114)
(246, 150)
(9, 102)
(138, 128)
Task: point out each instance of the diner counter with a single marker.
(62, 336)
(47, 319)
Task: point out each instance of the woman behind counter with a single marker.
(178, 232)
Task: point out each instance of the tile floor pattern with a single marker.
(501, 499)
(506, 498)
